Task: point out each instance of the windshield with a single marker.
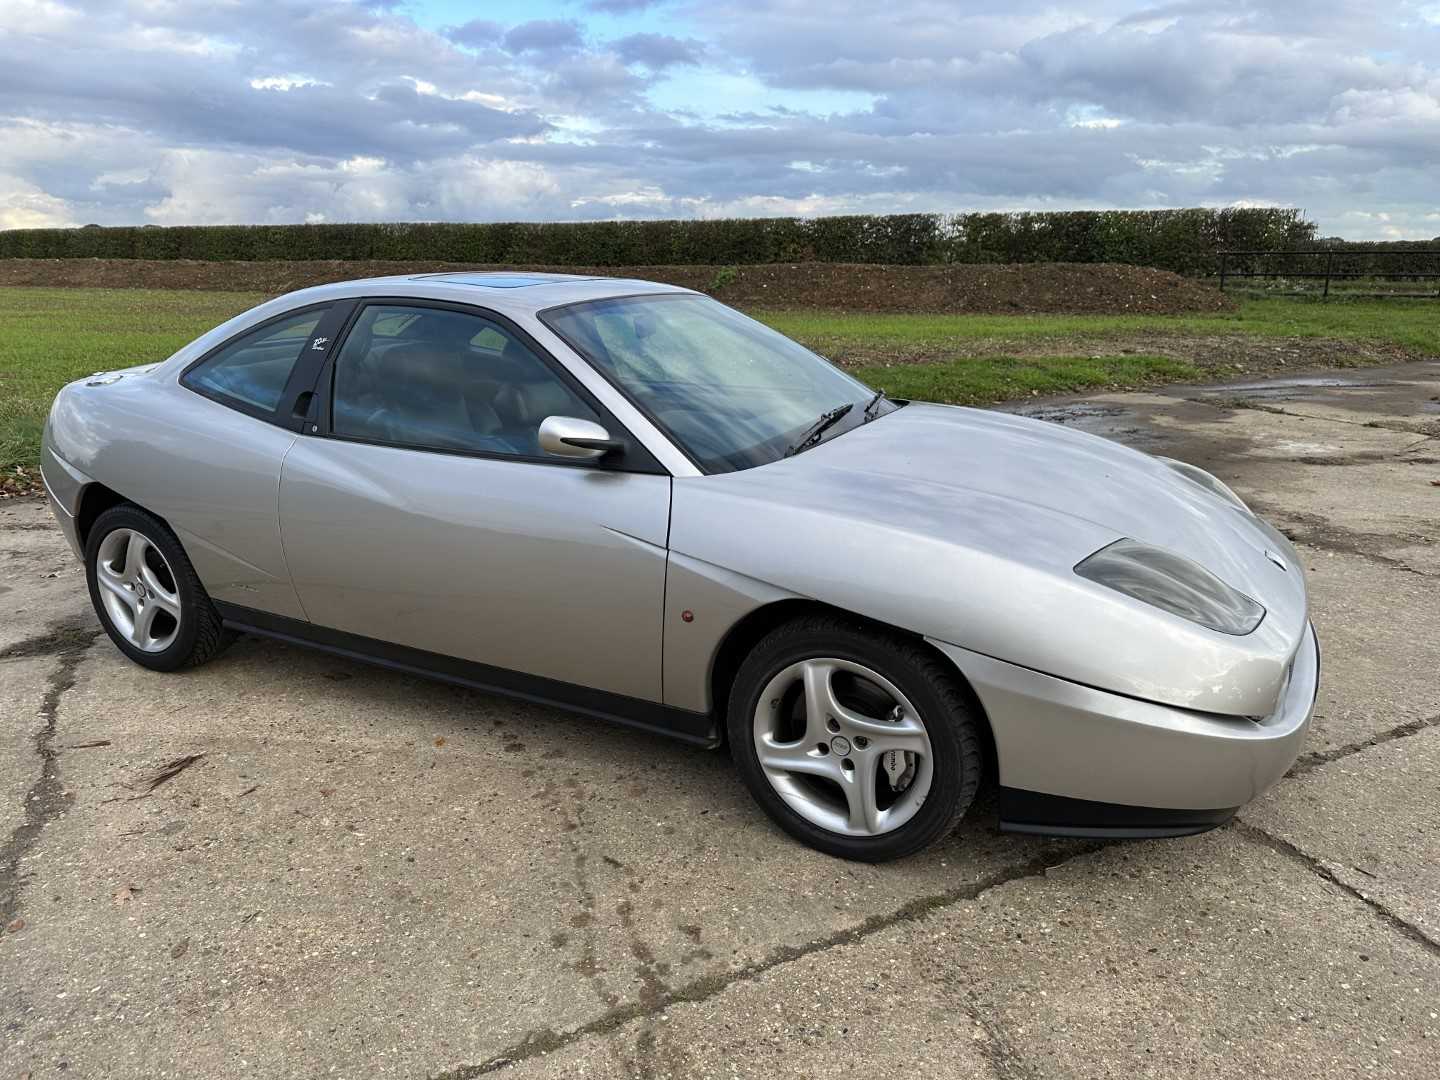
(730, 391)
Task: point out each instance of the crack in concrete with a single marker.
(47, 797)
(548, 1041)
(59, 639)
(1318, 867)
(1317, 532)
(1374, 457)
(1260, 406)
(1428, 429)
(1308, 763)
(1424, 428)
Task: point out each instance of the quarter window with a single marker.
(254, 368)
(445, 380)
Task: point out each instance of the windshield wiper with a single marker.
(873, 404)
(823, 424)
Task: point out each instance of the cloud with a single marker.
(620, 7)
(477, 33)
(544, 35)
(25, 206)
(657, 51)
(324, 110)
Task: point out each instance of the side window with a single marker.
(445, 380)
(255, 368)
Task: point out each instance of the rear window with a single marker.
(254, 368)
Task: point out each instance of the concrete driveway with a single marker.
(368, 875)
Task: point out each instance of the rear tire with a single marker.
(857, 741)
(146, 593)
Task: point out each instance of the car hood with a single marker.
(1000, 508)
(1081, 476)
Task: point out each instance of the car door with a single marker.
(213, 470)
(423, 513)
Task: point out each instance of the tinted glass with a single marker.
(255, 368)
(445, 380)
(731, 391)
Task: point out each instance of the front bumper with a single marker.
(1074, 760)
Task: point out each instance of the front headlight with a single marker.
(1199, 476)
(1172, 583)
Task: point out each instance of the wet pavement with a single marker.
(366, 874)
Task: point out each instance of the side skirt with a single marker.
(1034, 812)
(692, 727)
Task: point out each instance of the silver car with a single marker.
(630, 501)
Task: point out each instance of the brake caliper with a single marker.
(899, 764)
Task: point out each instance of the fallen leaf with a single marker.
(123, 895)
(440, 740)
(15, 927)
(179, 948)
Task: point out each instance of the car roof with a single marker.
(509, 292)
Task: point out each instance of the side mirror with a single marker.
(571, 437)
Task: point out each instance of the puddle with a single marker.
(1111, 421)
(1076, 414)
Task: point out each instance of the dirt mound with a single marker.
(1027, 288)
(1018, 289)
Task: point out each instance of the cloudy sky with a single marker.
(173, 112)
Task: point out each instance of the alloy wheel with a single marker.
(138, 589)
(843, 747)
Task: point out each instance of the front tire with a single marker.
(857, 741)
(146, 593)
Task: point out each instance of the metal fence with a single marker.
(1336, 265)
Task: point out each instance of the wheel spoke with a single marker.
(794, 757)
(859, 788)
(134, 556)
(906, 735)
(111, 583)
(821, 705)
(144, 622)
(167, 600)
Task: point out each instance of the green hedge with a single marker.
(1382, 259)
(1183, 240)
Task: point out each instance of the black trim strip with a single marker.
(1035, 812)
(692, 727)
(311, 362)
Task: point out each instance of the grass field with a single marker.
(50, 336)
(1409, 324)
